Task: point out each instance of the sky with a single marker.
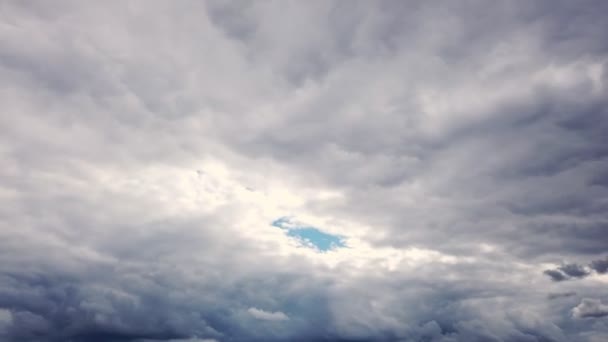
(268, 171)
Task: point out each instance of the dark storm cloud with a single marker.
(574, 270)
(556, 275)
(468, 140)
(600, 266)
(569, 271)
(155, 301)
(566, 272)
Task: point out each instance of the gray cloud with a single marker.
(569, 271)
(459, 147)
(559, 295)
(590, 308)
(600, 266)
(574, 270)
(556, 275)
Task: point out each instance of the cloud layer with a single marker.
(147, 147)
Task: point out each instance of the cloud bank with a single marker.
(458, 148)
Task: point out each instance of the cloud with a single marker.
(558, 295)
(556, 275)
(456, 148)
(590, 308)
(574, 270)
(569, 271)
(600, 266)
(267, 316)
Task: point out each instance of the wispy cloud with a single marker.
(267, 316)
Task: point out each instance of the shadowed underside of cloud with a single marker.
(441, 153)
(556, 275)
(590, 308)
(600, 266)
(576, 271)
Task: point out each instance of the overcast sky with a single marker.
(276, 171)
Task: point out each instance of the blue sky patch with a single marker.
(308, 235)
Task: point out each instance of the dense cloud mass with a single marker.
(304, 171)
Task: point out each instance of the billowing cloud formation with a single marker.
(460, 148)
(590, 308)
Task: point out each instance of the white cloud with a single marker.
(590, 308)
(267, 315)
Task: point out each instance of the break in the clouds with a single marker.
(309, 236)
(303, 171)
